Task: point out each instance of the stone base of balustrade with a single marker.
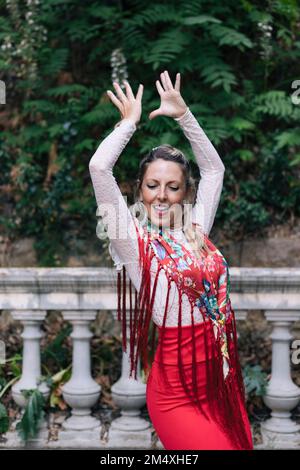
(11, 440)
(122, 442)
(100, 438)
(68, 439)
(274, 440)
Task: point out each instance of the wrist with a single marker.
(127, 120)
(182, 113)
(131, 119)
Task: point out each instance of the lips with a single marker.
(161, 209)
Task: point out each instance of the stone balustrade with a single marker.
(80, 293)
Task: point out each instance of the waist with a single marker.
(170, 343)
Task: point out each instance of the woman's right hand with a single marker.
(129, 106)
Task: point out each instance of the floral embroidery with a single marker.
(211, 294)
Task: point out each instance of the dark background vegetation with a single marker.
(238, 61)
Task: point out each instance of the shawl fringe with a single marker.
(225, 395)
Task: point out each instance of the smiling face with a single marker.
(163, 191)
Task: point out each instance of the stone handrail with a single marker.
(79, 293)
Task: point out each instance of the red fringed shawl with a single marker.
(206, 283)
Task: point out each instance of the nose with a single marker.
(161, 194)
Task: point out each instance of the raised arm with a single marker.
(210, 165)
(111, 203)
(211, 170)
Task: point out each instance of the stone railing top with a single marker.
(88, 289)
(92, 279)
(57, 279)
(265, 279)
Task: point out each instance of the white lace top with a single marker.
(119, 220)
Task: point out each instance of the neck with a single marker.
(162, 228)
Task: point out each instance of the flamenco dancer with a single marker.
(181, 322)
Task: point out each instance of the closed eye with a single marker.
(153, 186)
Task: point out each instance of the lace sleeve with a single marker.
(211, 170)
(111, 204)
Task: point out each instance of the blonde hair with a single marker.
(193, 232)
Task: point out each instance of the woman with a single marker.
(195, 391)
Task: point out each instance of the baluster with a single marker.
(282, 394)
(130, 395)
(81, 392)
(31, 360)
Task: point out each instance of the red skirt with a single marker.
(179, 424)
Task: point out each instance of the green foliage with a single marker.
(56, 350)
(230, 37)
(233, 58)
(33, 415)
(55, 383)
(10, 372)
(55, 355)
(255, 380)
(274, 103)
(4, 421)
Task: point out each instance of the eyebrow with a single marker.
(173, 181)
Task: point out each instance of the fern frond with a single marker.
(156, 14)
(274, 103)
(54, 61)
(103, 114)
(31, 133)
(226, 36)
(219, 74)
(65, 90)
(41, 106)
(82, 30)
(86, 144)
(132, 35)
(166, 48)
(201, 19)
(288, 138)
(242, 124)
(216, 128)
(102, 11)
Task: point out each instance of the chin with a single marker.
(161, 222)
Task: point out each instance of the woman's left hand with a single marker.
(171, 102)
